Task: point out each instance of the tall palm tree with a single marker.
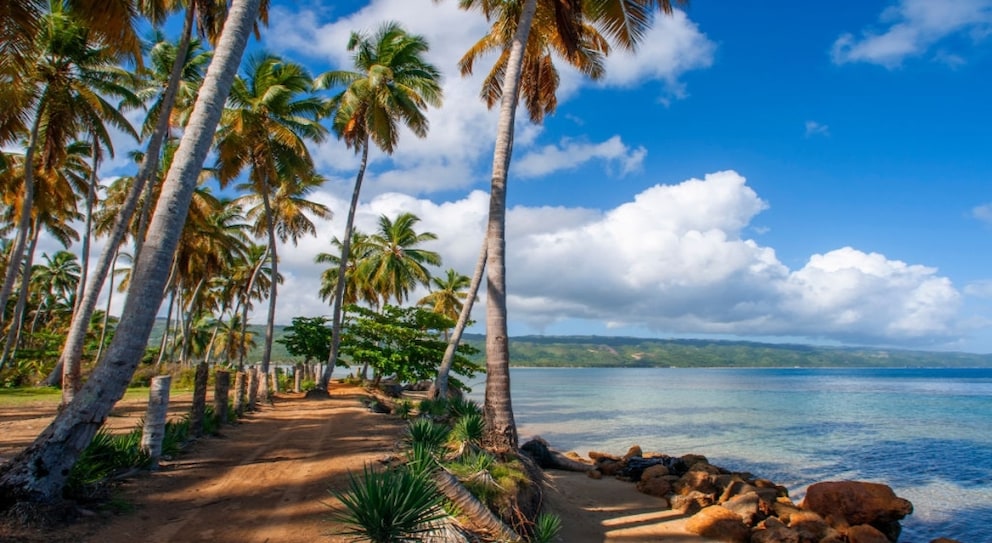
(39, 472)
(357, 288)
(391, 85)
(55, 281)
(72, 78)
(395, 264)
(270, 114)
(564, 27)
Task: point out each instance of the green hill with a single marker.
(631, 352)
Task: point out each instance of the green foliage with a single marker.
(546, 528)
(460, 407)
(307, 385)
(436, 409)
(428, 433)
(404, 342)
(309, 337)
(403, 409)
(390, 506)
(105, 455)
(468, 430)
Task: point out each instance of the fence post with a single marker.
(155, 418)
(199, 400)
(222, 386)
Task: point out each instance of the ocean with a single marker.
(927, 433)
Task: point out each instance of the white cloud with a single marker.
(814, 128)
(983, 213)
(910, 28)
(572, 154)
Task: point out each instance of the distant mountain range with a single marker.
(608, 351)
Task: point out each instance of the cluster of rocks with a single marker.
(739, 508)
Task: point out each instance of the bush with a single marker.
(546, 528)
(403, 409)
(391, 506)
(428, 433)
(467, 431)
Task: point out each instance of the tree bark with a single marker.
(501, 429)
(14, 332)
(72, 351)
(440, 387)
(477, 513)
(222, 386)
(270, 320)
(332, 358)
(240, 393)
(39, 472)
(155, 418)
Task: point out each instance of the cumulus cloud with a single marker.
(571, 154)
(911, 28)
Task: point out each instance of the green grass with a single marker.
(15, 397)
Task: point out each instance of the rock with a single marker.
(608, 466)
(864, 533)
(692, 502)
(810, 526)
(774, 534)
(692, 459)
(595, 474)
(733, 487)
(696, 481)
(654, 471)
(717, 522)
(750, 507)
(633, 451)
(547, 458)
(944, 540)
(656, 486)
(856, 502)
(596, 456)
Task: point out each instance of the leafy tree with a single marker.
(402, 342)
(392, 85)
(309, 337)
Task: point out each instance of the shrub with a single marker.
(105, 455)
(546, 528)
(433, 408)
(389, 506)
(460, 407)
(428, 433)
(467, 431)
(403, 409)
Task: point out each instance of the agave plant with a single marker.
(390, 506)
(428, 433)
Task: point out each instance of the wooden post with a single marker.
(240, 393)
(155, 418)
(297, 378)
(222, 385)
(275, 381)
(199, 400)
(252, 388)
(262, 382)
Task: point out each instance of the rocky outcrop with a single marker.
(737, 507)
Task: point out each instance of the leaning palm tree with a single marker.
(391, 85)
(528, 33)
(270, 114)
(39, 472)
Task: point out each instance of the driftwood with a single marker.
(547, 458)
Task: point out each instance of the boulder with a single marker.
(717, 522)
(692, 502)
(692, 459)
(699, 481)
(750, 507)
(810, 526)
(864, 533)
(654, 471)
(595, 474)
(655, 486)
(633, 451)
(774, 534)
(944, 540)
(856, 502)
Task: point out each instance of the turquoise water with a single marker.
(927, 433)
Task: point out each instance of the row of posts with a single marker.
(249, 388)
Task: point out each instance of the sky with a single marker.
(803, 172)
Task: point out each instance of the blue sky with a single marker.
(786, 171)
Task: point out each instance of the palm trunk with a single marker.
(501, 430)
(39, 472)
(270, 320)
(332, 358)
(440, 388)
(84, 255)
(72, 352)
(188, 324)
(24, 221)
(14, 332)
(478, 514)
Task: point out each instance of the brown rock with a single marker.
(775, 534)
(810, 526)
(864, 533)
(654, 471)
(944, 540)
(692, 459)
(692, 502)
(856, 502)
(696, 480)
(655, 486)
(608, 466)
(719, 523)
(633, 451)
(595, 455)
(734, 487)
(595, 474)
(750, 507)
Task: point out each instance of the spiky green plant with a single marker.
(433, 408)
(390, 506)
(428, 433)
(460, 407)
(403, 409)
(546, 528)
(467, 432)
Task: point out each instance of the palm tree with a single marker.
(39, 472)
(395, 264)
(271, 112)
(564, 26)
(448, 295)
(391, 85)
(357, 288)
(55, 281)
(72, 77)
